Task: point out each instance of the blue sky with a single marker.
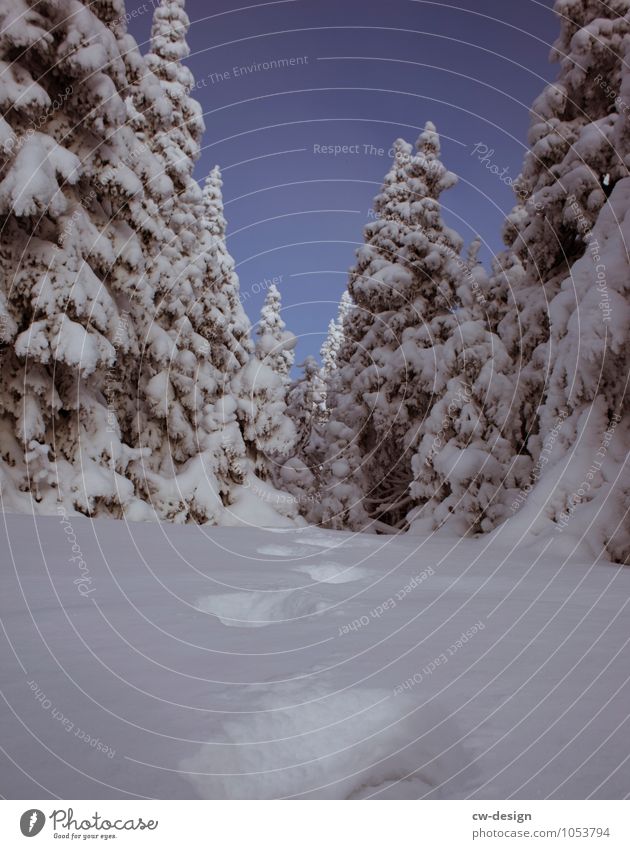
(359, 74)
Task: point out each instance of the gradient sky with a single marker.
(372, 71)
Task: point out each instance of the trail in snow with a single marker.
(167, 661)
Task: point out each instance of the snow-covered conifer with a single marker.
(115, 390)
(261, 388)
(572, 308)
(275, 344)
(404, 290)
(421, 387)
(330, 347)
(306, 401)
(179, 139)
(576, 156)
(335, 336)
(74, 217)
(568, 277)
(585, 417)
(306, 407)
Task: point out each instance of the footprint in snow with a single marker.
(320, 543)
(335, 542)
(333, 573)
(289, 551)
(258, 609)
(277, 550)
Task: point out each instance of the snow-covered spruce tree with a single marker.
(404, 290)
(235, 400)
(464, 467)
(421, 380)
(349, 324)
(199, 340)
(334, 338)
(235, 416)
(306, 401)
(330, 353)
(582, 477)
(574, 161)
(72, 231)
(306, 407)
(110, 397)
(179, 378)
(330, 346)
(584, 462)
(261, 389)
(214, 476)
(225, 313)
(350, 429)
(573, 156)
(461, 462)
(178, 133)
(202, 465)
(274, 346)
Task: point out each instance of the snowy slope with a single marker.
(184, 662)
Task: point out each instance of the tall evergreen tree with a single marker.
(74, 216)
(421, 387)
(220, 278)
(335, 336)
(275, 344)
(306, 407)
(573, 300)
(178, 138)
(575, 159)
(188, 475)
(404, 288)
(261, 387)
(115, 386)
(464, 467)
(306, 401)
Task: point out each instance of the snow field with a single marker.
(444, 669)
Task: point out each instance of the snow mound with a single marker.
(352, 744)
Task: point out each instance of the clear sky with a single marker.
(359, 73)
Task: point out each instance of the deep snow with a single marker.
(181, 662)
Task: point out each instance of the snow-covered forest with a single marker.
(447, 395)
(453, 399)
